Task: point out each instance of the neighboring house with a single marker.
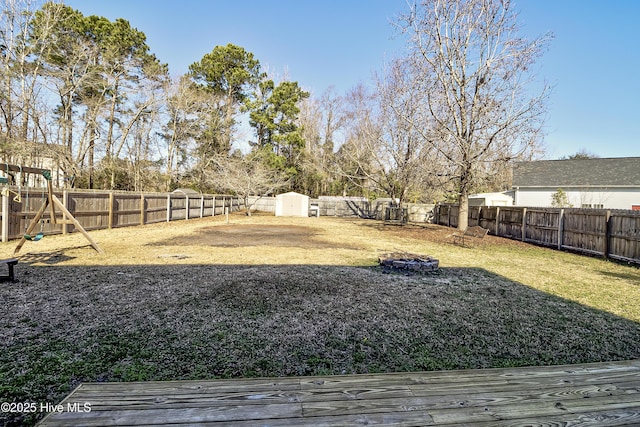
(34, 155)
(612, 183)
(492, 199)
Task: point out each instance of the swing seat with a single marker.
(34, 238)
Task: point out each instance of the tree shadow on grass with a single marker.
(631, 276)
(63, 325)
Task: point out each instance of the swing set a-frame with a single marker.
(53, 203)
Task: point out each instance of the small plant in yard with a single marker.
(559, 199)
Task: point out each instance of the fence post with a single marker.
(201, 205)
(5, 216)
(111, 202)
(186, 207)
(65, 203)
(142, 209)
(213, 207)
(497, 220)
(168, 207)
(524, 224)
(560, 228)
(607, 234)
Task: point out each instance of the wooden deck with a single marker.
(597, 394)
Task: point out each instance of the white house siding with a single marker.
(609, 198)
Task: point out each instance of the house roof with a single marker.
(609, 172)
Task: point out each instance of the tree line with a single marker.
(443, 120)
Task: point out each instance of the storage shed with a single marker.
(492, 199)
(292, 204)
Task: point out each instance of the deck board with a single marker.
(605, 393)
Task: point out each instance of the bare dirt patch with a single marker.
(249, 235)
(437, 234)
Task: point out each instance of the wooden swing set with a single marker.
(53, 203)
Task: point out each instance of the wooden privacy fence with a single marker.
(609, 233)
(96, 209)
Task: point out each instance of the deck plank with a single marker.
(605, 393)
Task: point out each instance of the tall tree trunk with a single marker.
(463, 209)
(92, 146)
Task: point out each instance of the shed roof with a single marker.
(290, 194)
(185, 191)
(608, 172)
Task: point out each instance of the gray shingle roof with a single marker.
(621, 171)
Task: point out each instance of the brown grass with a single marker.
(266, 296)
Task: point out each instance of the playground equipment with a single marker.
(52, 202)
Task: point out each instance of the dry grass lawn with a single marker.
(266, 296)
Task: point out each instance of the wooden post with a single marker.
(75, 222)
(111, 203)
(524, 223)
(65, 202)
(168, 207)
(186, 207)
(213, 206)
(5, 216)
(32, 225)
(607, 235)
(497, 220)
(201, 206)
(560, 228)
(52, 208)
(142, 209)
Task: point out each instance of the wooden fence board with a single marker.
(624, 229)
(156, 208)
(542, 226)
(97, 209)
(488, 218)
(510, 222)
(585, 230)
(609, 233)
(474, 215)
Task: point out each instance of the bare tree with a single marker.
(321, 120)
(245, 175)
(21, 51)
(386, 147)
(181, 105)
(468, 58)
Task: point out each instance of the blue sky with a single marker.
(592, 62)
